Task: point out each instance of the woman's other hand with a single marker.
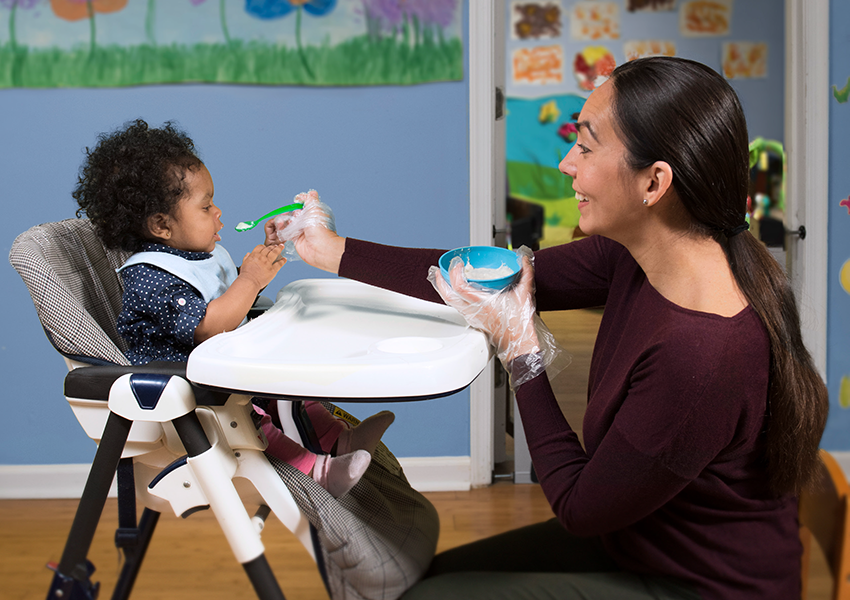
(507, 316)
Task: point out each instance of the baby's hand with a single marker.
(262, 264)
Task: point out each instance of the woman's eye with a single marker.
(584, 149)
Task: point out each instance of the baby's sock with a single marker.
(366, 435)
(338, 474)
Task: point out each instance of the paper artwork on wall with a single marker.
(107, 43)
(640, 48)
(842, 94)
(651, 5)
(539, 65)
(592, 66)
(535, 20)
(595, 21)
(744, 60)
(701, 18)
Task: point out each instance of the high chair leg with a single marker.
(72, 580)
(209, 465)
(133, 557)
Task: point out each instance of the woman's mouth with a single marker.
(581, 198)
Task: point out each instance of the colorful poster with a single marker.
(104, 43)
(701, 18)
(744, 60)
(595, 21)
(641, 48)
(592, 66)
(652, 5)
(535, 20)
(539, 65)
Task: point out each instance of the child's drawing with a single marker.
(699, 18)
(534, 20)
(539, 65)
(641, 48)
(595, 21)
(744, 60)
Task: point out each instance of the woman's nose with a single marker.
(568, 165)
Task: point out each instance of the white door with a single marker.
(807, 148)
(486, 193)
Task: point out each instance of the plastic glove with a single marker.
(508, 317)
(292, 225)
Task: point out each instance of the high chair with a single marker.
(186, 447)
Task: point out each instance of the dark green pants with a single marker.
(539, 562)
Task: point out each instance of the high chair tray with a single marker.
(341, 339)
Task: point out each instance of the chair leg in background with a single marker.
(134, 556)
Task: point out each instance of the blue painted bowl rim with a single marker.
(507, 257)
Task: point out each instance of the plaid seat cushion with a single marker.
(73, 284)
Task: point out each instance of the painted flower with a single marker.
(568, 132)
(74, 10)
(274, 9)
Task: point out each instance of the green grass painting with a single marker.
(358, 61)
(112, 43)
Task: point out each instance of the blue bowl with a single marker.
(484, 257)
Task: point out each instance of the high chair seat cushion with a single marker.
(94, 383)
(377, 540)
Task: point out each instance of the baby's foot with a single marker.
(366, 435)
(338, 474)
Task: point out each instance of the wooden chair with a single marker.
(825, 516)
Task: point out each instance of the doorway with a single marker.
(806, 142)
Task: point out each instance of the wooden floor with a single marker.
(190, 558)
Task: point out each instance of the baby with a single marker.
(146, 191)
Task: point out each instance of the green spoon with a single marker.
(246, 225)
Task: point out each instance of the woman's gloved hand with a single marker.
(310, 233)
(508, 317)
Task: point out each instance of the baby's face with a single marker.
(195, 223)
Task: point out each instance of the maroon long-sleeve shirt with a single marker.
(672, 475)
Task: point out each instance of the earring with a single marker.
(645, 202)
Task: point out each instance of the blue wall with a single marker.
(392, 162)
(837, 435)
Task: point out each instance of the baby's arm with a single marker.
(226, 312)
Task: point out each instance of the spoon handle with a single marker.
(281, 210)
(245, 226)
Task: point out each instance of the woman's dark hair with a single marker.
(132, 174)
(685, 114)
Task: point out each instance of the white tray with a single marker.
(337, 338)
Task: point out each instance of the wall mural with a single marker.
(106, 43)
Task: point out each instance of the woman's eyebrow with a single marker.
(586, 125)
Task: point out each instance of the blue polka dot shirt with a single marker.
(160, 311)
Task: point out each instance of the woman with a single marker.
(704, 411)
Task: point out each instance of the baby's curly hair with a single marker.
(132, 174)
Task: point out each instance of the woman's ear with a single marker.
(159, 226)
(658, 181)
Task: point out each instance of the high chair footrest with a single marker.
(94, 383)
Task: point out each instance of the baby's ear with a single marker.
(158, 226)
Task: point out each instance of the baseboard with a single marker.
(426, 474)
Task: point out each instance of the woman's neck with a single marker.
(689, 270)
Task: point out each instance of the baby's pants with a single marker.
(286, 449)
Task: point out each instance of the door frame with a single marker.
(807, 150)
